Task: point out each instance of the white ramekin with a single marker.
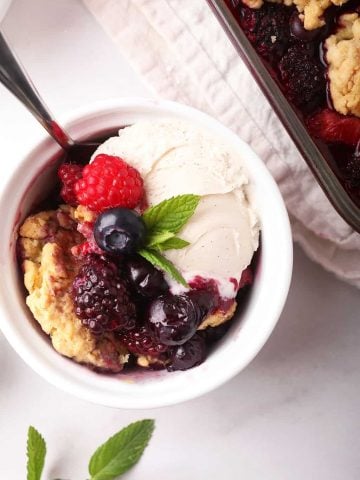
(145, 389)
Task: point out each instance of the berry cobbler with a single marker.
(312, 49)
(147, 253)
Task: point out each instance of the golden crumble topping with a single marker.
(343, 57)
(311, 11)
(217, 318)
(45, 242)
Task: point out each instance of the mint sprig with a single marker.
(121, 451)
(172, 214)
(158, 260)
(156, 238)
(112, 459)
(174, 243)
(163, 221)
(36, 452)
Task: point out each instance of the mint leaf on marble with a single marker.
(121, 451)
(36, 452)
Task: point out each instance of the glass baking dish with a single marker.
(315, 160)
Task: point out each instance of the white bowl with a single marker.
(146, 389)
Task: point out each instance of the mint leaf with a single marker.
(156, 238)
(121, 451)
(163, 221)
(36, 451)
(158, 260)
(174, 243)
(172, 214)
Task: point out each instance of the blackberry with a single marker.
(303, 77)
(140, 342)
(352, 171)
(102, 301)
(267, 29)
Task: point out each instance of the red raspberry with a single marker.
(69, 174)
(109, 182)
(140, 342)
(86, 248)
(89, 246)
(330, 126)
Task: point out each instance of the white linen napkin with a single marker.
(181, 51)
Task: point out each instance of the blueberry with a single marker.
(299, 31)
(119, 231)
(145, 279)
(189, 355)
(173, 319)
(206, 300)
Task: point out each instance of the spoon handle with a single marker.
(14, 77)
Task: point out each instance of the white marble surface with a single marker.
(293, 414)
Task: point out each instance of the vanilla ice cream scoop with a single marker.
(176, 157)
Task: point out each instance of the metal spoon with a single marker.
(14, 77)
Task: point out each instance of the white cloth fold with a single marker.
(181, 51)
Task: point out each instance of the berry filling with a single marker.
(331, 127)
(206, 291)
(299, 59)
